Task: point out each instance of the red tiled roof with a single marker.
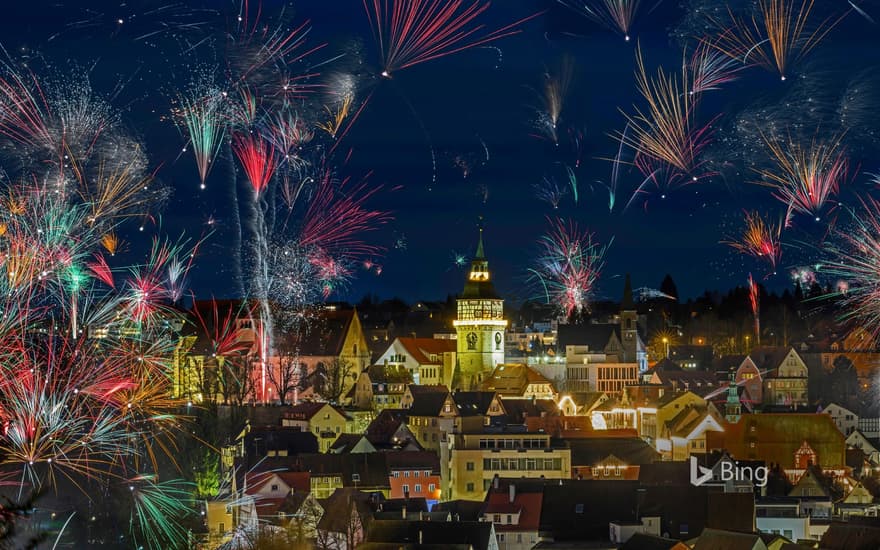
(527, 504)
(421, 349)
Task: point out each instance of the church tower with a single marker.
(480, 324)
(629, 321)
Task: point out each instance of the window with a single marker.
(406, 489)
(418, 488)
(496, 518)
(578, 508)
(431, 487)
(406, 473)
(355, 477)
(509, 519)
(274, 486)
(416, 473)
(396, 474)
(470, 466)
(222, 528)
(519, 537)
(427, 473)
(470, 488)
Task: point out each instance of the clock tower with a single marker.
(479, 325)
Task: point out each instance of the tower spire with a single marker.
(480, 255)
(627, 302)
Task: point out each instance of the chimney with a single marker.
(512, 493)
(495, 481)
(403, 512)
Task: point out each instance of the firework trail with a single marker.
(853, 255)
(666, 138)
(776, 37)
(550, 192)
(554, 92)
(805, 178)
(201, 116)
(760, 239)
(755, 303)
(710, 69)
(416, 31)
(617, 15)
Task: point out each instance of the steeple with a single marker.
(480, 255)
(627, 302)
(732, 408)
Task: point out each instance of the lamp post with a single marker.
(666, 346)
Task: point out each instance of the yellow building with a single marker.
(322, 419)
(476, 458)
(479, 325)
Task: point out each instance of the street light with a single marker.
(666, 345)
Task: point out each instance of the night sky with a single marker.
(479, 101)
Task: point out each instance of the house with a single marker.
(515, 380)
(869, 446)
(415, 475)
(815, 494)
(622, 531)
(324, 420)
(581, 403)
(782, 515)
(857, 501)
(475, 458)
(685, 433)
(347, 516)
(785, 381)
(381, 387)
(611, 458)
(678, 379)
(515, 509)
(692, 357)
(387, 432)
(429, 361)
(845, 420)
(257, 443)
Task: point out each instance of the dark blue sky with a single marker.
(456, 104)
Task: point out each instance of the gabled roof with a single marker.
(421, 349)
(778, 436)
(466, 510)
(473, 403)
(346, 442)
(325, 334)
(526, 504)
(306, 410)
(383, 429)
(428, 403)
(518, 409)
(513, 379)
(631, 450)
(768, 358)
(339, 506)
(258, 441)
(715, 539)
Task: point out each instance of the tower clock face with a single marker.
(472, 340)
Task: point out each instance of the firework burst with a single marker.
(760, 239)
(569, 267)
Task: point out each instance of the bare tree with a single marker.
(332, 380)
(287, 377)
(236, 382)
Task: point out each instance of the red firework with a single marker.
(336, 219)
(410, 32)
(257, 158)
